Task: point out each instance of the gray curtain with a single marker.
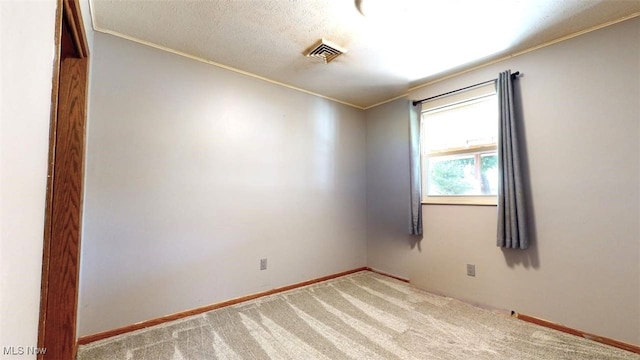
(512, 215)
(414, 163)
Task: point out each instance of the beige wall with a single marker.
(388, 241)
(26, 70)
(581, 119)
(194, 173)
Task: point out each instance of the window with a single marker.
(458, 148)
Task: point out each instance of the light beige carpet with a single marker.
(359, 316)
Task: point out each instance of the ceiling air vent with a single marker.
(324, 51)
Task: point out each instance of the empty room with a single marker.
(309, 179)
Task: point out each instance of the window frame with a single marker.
(470, 95)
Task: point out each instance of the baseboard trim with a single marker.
(145, 324)
(586, 335)
(387, 274)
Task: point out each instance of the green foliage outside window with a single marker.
(451, 177)
(487, 162)
(448, 176)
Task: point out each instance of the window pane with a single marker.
(489, 173)
(473, 123)
(458, 143)
(451, 175)
(467, 174)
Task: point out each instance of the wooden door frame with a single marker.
(61, 251)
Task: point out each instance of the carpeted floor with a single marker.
(359, 316)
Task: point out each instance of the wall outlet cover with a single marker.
(471, 270)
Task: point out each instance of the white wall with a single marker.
(194, 173)
(26, 70)
(581, 117)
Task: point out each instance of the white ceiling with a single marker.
(389, 51)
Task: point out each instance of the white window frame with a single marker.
(456, 98)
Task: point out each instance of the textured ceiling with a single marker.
(388, 50)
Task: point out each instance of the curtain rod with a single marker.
(513, 76)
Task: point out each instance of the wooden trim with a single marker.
(74, 19)
(62, 273)
(64, 194)
(44, 284)
(582, 334)
(476, 200)
(470, 150)
(145, 324)
(387, 274)
(141, 325)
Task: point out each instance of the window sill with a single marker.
(461, 200)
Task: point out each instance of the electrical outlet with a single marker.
(263, 264)
(471, 270)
